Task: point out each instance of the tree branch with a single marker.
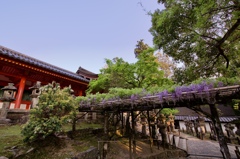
(229, 32)
(225, 37)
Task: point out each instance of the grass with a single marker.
(51, 148)
(81, 125)
(9, 136)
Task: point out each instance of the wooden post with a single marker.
(130, 136)
(20, 93)
(122, 118)
(106, 116)
(217, 124)
(150, 132)
(133, 134)
(237, 152)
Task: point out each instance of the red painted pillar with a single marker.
(20, 93)
(80, 93)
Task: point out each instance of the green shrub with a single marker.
(55, 107)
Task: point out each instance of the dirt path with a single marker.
(120, 150)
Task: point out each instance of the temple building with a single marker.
(86, 74)
(24, 71)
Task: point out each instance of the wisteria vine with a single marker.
(119, 95)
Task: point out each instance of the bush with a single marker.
(55, 107)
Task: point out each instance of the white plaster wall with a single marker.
(182, 125)
(12, 105)
(23, 106)
(223, 127)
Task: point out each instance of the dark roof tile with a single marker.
(16, 55)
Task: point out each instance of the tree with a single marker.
(168, 111)
(145, 73)
(165, 64)
(184, 75)
(54, 107)
(140, 47)
(119, 73)
(202, 35)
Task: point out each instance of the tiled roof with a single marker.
(29, 60)
(84, 72)
(222, 119)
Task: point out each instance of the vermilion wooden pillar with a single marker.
(80, 93)
(20, 93)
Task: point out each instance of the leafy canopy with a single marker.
(201, 34)
(119, 73)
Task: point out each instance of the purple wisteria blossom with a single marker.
(178, 92)
(220, 84)
(165, 93)
(160, 96)
(174, 97)
(194, 87)
(133, 97)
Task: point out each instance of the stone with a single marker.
(34, 102)
(4, 121)
(3, 157)
(4, 110)
(229, 129)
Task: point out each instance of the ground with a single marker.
(63, 147)
(120, 150)
(12, 145)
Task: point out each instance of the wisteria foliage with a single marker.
(175, 91)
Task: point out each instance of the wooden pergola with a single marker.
(191, 99)
(186, 99)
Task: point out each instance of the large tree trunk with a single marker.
(216, 123)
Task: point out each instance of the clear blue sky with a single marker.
(74, 33)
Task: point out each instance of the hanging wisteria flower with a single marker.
(160, 96)
(174, 97)
(220, 84)
(133, 98)
(178, 92)
(194, 87)
(165, 93)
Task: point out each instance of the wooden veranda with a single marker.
(190, 99)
